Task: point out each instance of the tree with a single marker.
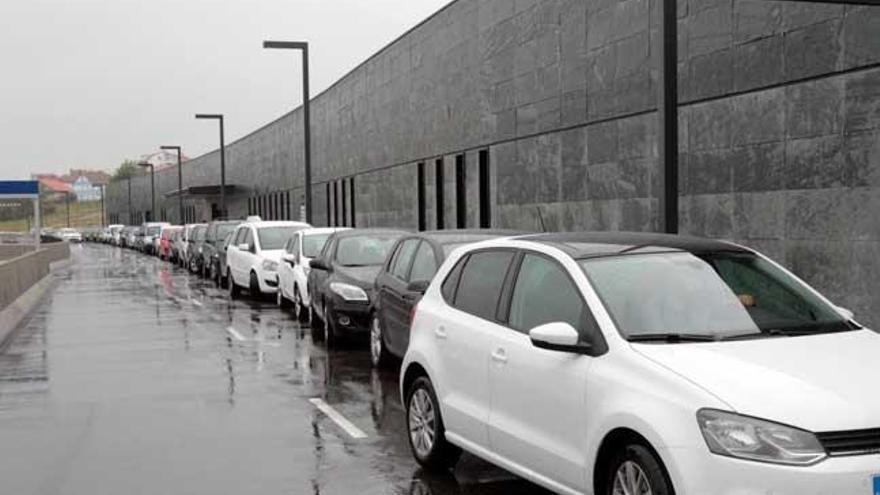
(128, 168)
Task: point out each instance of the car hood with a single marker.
(273, 254)
(362, 276)
(821, 383)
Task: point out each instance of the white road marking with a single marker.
(237, 336)
(339, 419)
(196, 303)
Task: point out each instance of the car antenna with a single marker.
(541, 218)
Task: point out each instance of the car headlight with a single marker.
(270, 266)
(349, 292)
(754, 439)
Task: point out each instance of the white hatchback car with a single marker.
(293, 272)
(642, 364)
(254, 253)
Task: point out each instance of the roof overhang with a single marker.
(198, 191)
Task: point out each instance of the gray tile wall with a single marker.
(780, 128)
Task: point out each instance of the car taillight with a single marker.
(412, 314)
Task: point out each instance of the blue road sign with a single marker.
(19, 189)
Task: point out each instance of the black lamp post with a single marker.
(152, 188)
(307, 131)
(219, 117)
(179, 179)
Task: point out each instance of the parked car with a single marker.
(69, 235)
(220, 279)
(112, 234)
(194, 248)
(640, 363)
(164, 251)
(215, 235)
(293, 272)
(404, 278)
(150, 237)
(254, 253)
(184, 243)
(342, 281)
(173, 244)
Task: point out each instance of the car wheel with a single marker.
(254, 287)
(378, 352)
(427, 436)
(234, 291)
(302, 312)
(636, 469)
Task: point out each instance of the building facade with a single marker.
(542, 114)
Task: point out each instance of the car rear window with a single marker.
(482, 279)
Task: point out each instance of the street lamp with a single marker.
(103, 219)
(307, 131)
(152, 188)
(219, 117)
(179, 179)
(130, 216)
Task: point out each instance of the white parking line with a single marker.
(339, 419)
(237, 336)
(196, 303)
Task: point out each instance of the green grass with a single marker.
(85, 214)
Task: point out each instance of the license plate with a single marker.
(877, 485)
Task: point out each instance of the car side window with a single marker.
(451, 283)
(248, 238)
(239, 237)
(403, 257)
(293, 246)
(544, 293)
(482, 279)
(424, 264)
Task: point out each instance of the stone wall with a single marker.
(780, 129)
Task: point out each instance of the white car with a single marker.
(293, 272)
(70, 235)
(642, 364)
(152, 230)
(254, 253)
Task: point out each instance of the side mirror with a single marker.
(319, 264)
(420, 286)
(558, 336)
(845, 313)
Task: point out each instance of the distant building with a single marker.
(84, 184)
(52, 183)
(84, 189)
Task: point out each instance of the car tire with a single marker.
(427, 436)
(254, 287)
(302, 312)
(379, 356)
(234, 291)
(636, 467)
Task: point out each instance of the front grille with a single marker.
(855, 442)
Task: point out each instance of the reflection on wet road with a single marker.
(135, 377)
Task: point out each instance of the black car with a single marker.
(342, 280)
(215, 235)
(194, 249)
(403, 279)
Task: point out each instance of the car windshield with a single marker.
(712, 296)
(272, 238)
(224, 229)
(365, 250)
(153, 230)
(313, 244)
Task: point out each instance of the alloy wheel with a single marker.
(422, 423)
(630, 479)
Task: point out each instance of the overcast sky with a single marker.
(89, 83)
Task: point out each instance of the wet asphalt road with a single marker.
(131, 378)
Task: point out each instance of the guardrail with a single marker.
(20, 273)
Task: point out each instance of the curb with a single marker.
(18, 311)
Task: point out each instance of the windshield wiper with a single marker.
(672, 338)
(787, 332)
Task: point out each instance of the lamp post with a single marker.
(179, 180)
(130, 217)
(67, 204)
(307, 131)
(219, 117)
(152, 188)
(103, 220)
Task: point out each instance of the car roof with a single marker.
(275, 223)
(322, 230)
(362, 232)
(444, 237)
(580, 245)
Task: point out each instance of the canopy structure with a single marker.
(197, 191)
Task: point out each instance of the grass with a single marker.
(85, 214)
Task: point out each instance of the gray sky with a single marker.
(88, 83)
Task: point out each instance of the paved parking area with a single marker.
(135, 377)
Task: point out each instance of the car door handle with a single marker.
(499, 355)
(440, 333)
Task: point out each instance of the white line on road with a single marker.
(237, 336)
(196, 303)
(339, 419)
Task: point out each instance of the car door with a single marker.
(285, 268)
(424, 266)
(236, 257)
(538, 396)
(392, 290)
(465, 334)
(318, 278)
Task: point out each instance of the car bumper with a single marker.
(350, 317)
(698, 472)
(268, 281)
